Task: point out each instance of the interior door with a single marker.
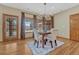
(10, 27)
(74, 27)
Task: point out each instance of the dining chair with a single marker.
(37, 37)
(52, 37)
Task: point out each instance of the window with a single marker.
(28, 25)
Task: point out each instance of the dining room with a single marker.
(38, 28)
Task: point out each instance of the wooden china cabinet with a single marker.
(48, 23)
(10, 27)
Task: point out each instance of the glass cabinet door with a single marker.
(10, 27)
(7, 25)
(14, 26)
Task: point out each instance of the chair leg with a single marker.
(55, 42)
(51, 44)
(37, 44)
(45, 41)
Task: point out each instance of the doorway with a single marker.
(74, 27)
(10, 27)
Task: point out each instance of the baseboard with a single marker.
(29, 38)
(60, 37)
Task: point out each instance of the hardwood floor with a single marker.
(20, 48)
(15, 48)
(69, 48)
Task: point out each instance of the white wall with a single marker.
(62, 23)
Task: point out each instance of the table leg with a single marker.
(43, 41)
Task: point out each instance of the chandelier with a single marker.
(44, 17)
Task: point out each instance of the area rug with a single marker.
(45, 50)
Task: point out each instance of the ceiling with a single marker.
(39, 8)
